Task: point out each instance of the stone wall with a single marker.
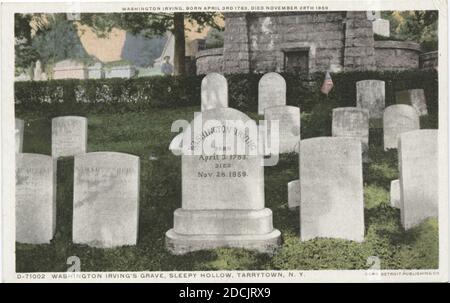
(271, 35)
(359, 42)
(209, 60)
(397, 55)
(235, 45)
(429, 60)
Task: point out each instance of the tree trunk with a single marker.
(180, 51)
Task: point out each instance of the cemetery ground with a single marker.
(147, 135)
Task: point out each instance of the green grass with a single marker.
(148, 135)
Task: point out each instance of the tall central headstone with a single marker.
(106, 199)
(35, 198)
(214, 91)
(222, 187)
(69, 136)
(419, 182)
(271, 91)
(331, 188)
(370, 94)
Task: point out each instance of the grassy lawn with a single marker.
(148, 135)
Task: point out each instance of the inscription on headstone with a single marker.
(370, 94)
(418, 166)
(214, 91)
(288, 118)
(352, 122)
(271, 91)
(398, 119)
(331, 188)
(69, 136)
(106, 199)
(19, 134)
(35, 198)
(222, 188)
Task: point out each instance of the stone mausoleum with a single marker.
(304, 43)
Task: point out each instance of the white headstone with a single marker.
(222, 192)
(418, 166)
(331, 187)
(395, 193)
(35, 198)
(271, 91)
(370, 95)
(398, 119)
(414, 97)
(70, 69)
(352, 122)
(106, 199)
(69, 136)
(19, 134)
(294, 194)
(288, 118)
(381, 27)
(214, 91)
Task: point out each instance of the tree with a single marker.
(151, 24)
(420, 26)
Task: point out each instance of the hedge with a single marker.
(63, 97)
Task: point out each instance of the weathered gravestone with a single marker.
(418, 166)
(214, 91)
(370, 94)
(69, 136)
(414, 97)
(398, 119)
(352, 122)
(331, 188)
(106, 199)
(271, 91)
(35, 198)
(395, 193)
(19, 126)
(294, 194)
(288, 118)
(222, 187)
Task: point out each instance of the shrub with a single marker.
(146, 93)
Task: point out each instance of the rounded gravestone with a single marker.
(214, 91)
(69, 136)
(418, 167)
(352, 122)
(331, 188)
(271, 91)
(294, 194)
(398, 119)
(370, 95)
(106, 199)
(35, 198)
(288, 119)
